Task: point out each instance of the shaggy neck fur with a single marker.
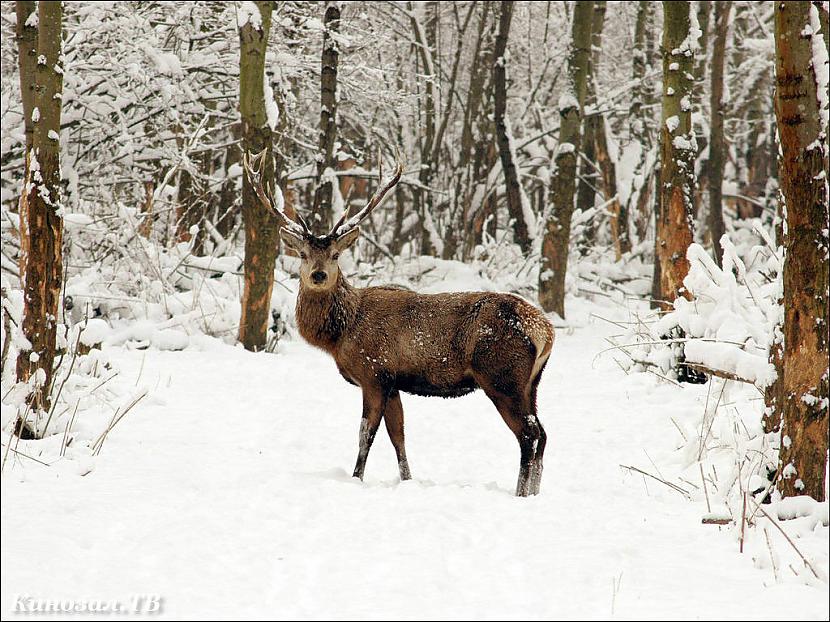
(324, 316)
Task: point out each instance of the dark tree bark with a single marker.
(261, 240)
(511, 174)
(803, 165)
(321, 213)
(717, 142)
(41, 216)
(678, 151)
(554, 261)
(228, 195)
(190, 212)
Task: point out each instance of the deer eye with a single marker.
(335, 256)
(303, 256)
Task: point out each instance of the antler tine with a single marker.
(345, 223)
(252, 164)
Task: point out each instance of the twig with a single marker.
(743, 520)
(705, 491)
(792, 544)
(771, 555)
(675, 487)
(20, 453)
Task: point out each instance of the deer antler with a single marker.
(346, 224)
(253, 169)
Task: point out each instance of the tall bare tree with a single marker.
(26, 35)
(678, 150)
(321, 212)
(801, 111)
(555, 245)
(589, 175)
(41, 213)
(261, 239)
(638, 204)
(599, 150)
(717, 141)
(503, 135)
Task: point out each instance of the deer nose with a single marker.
(318, 276)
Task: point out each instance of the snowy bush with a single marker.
(729, 323)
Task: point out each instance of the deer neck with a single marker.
(324, 317)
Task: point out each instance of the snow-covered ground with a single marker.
(228, 493)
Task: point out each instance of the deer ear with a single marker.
(291, 239)
(348, 238)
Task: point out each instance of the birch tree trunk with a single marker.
(801, 101)
(521, 234)
(678, 149)
(41, 217)
(554, 260)
(261, 240)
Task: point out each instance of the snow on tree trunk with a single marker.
(261, 239)
(554, 260)
(515, 200)
(717, 142)
(678, 149)
(801, 108)
(321, 212)
(41, 216)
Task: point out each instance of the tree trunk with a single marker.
(261, 240)
(554, 261)
(321, 213)
(717, 143)
(190, 212)
(605, 161)
(618, 211)
(228, 197)
(803, 164)
(639, 196)
(589, 174)
(704, 8)
(41, 216)
(677, 149)
(513, 188)
(26, 35)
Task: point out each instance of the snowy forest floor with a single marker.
(228, 493)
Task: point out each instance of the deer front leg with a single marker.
(373, 406)
(393, 416)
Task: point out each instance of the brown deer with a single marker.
(387, 340)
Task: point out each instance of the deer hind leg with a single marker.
(536, 472)
(393, 416)
(374, 402)
(519, 413)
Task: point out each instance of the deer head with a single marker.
(319, 269)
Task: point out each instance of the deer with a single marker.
(389, 340)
